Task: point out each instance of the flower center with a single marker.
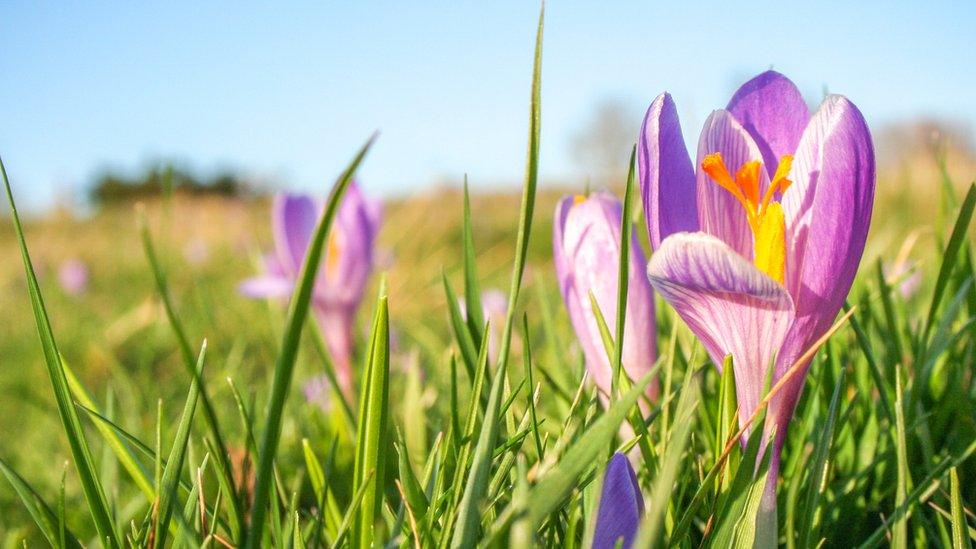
(332, 253)
(765, 215)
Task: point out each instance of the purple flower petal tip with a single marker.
(772, 110)
(621, 505)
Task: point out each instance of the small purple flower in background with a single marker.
(621, 506)
(758, 265)
(586, 253)
(494, 307)
(342, 278)
(73, 275)
(317, 391)
(903, 272)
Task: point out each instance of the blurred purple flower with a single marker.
(342, 278)
(73, 275)
(906, 277)
(760, 279)
(586, 253)
(317, 391)
(621, 505)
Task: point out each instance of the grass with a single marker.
(150, 437)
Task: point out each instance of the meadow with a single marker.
(437, 445)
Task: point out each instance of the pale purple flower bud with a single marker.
(586, 252)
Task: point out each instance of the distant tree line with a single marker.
(112, 186)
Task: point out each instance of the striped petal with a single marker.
(772, 110)
(730, 305)
(293, 219)
(586, 246)
(828, 211)
(667, 178)
(349, 258)
(621, 506)
(719, 213)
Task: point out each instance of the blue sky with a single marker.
(288, 92)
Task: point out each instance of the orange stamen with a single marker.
(748, 180)
(780, 182)
(332, 254)
(766, 218)
(714, 166)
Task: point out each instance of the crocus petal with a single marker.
(349, 257)
(731, 306)
(590, 256)
(772, 110)
(337, 328)
(828, 210)
(667, 178)
(294, 217)
(268, 286)
(621, 505)
(719, 213)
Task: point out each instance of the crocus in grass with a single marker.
(342, 278)
(73, 275)
(586, 252)
(757, 249)
(621, 506)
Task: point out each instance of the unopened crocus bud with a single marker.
(586, 251)
(621, 506)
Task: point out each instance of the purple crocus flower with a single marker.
(73, 276)
(586, 251)
(342, 278)
(621, 505)
(759, 265)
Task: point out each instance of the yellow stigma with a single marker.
(332, 254)
(578, 199)
(765, 216)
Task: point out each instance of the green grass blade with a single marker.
(733, 506)
(960, 529)
(112, 438)
(817, 483)
(651, 526)
(351, 512)
(174, 464)
(412, 490)
(899, 530)
(623, 278)
(94, 494)
(45, 519)
(472, 292)
(873, 367)
(726, 425)
(372, 440)
(285, 365)
(189, 362)
(551, 490)
(468, 524)
(949, 257)
(469, 350)
(527, 359)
